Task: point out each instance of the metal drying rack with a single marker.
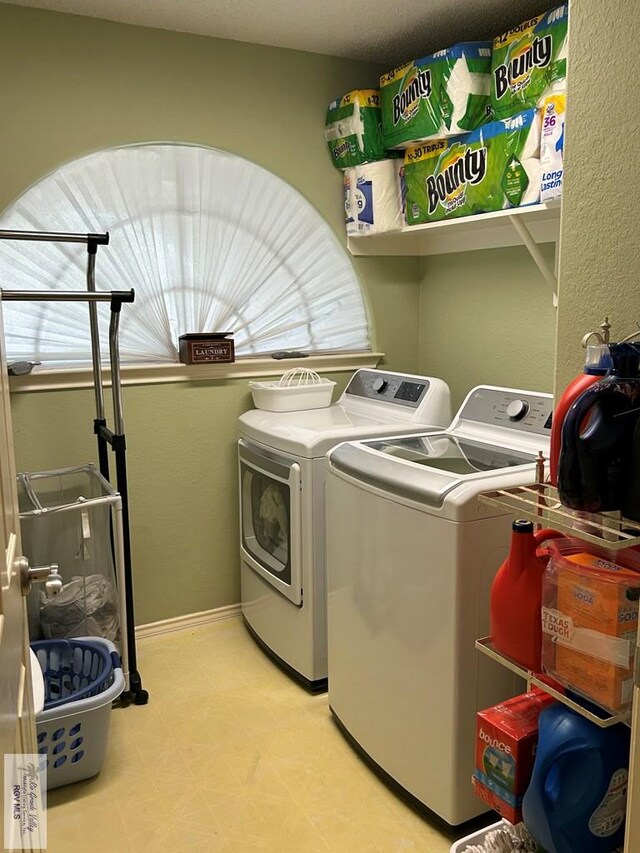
(105, 437)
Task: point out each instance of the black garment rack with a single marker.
(114, 438)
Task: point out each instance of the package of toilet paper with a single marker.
(348, 186)
(495, 167)
(353, 128)
(374, 197)
(529, 62)
(552, 147)
(440, 95)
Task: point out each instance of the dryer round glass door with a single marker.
(270, 518)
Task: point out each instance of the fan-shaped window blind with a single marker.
(209, 241)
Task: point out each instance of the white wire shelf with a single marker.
(482, 231)
(485, 645)
(539, 502)
(527, 226)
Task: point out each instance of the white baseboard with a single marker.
(191, 620)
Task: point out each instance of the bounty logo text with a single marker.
(447, 187)
(341, 150)
(537, 55)
(403, 102)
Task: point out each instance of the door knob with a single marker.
(48, 575)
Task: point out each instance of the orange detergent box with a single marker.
(590, 624)
(506, 741)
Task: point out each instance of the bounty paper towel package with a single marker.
(552, 147)
(421, 164)
(529, 62)
(373, 197)
(352, 128)
(495, 167)
(440, 95)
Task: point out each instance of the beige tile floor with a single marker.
(229, 756)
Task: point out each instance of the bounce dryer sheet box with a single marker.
(552, 147)
(495, 167)
(353, 130)
(444, 94)
(590, 624)
(506, 741)
(529, 62)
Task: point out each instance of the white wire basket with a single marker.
(296, 390)
(500, 837)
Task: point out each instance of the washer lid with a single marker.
(425, 469)
(449, 453)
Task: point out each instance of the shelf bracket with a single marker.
(527, 238)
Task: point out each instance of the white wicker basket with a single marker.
(296, 390)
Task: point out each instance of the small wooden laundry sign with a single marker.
(206, 347)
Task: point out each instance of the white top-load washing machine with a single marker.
(282, 475)
(411, 554)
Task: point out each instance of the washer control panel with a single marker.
(389, 387)
(519, 410)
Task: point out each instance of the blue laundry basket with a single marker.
(82, 677)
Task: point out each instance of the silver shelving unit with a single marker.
(485, 645)
(106, 437)
(540, 503)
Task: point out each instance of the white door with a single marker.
(632, 839)
(17, 725)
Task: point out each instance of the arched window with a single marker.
(208, 240)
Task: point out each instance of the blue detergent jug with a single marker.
(576, 801)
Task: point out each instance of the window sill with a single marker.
(157, 374)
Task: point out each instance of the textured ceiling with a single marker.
(375, 30)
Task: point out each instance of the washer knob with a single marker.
(517, 409)
(379, 384)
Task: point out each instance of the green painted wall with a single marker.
(182, 480)
(502, 327)
(487, 317)
(79, 84)
(600, 251)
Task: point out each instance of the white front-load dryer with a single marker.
(411, 554)
(282, 509)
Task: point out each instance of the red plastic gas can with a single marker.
(516, 596)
